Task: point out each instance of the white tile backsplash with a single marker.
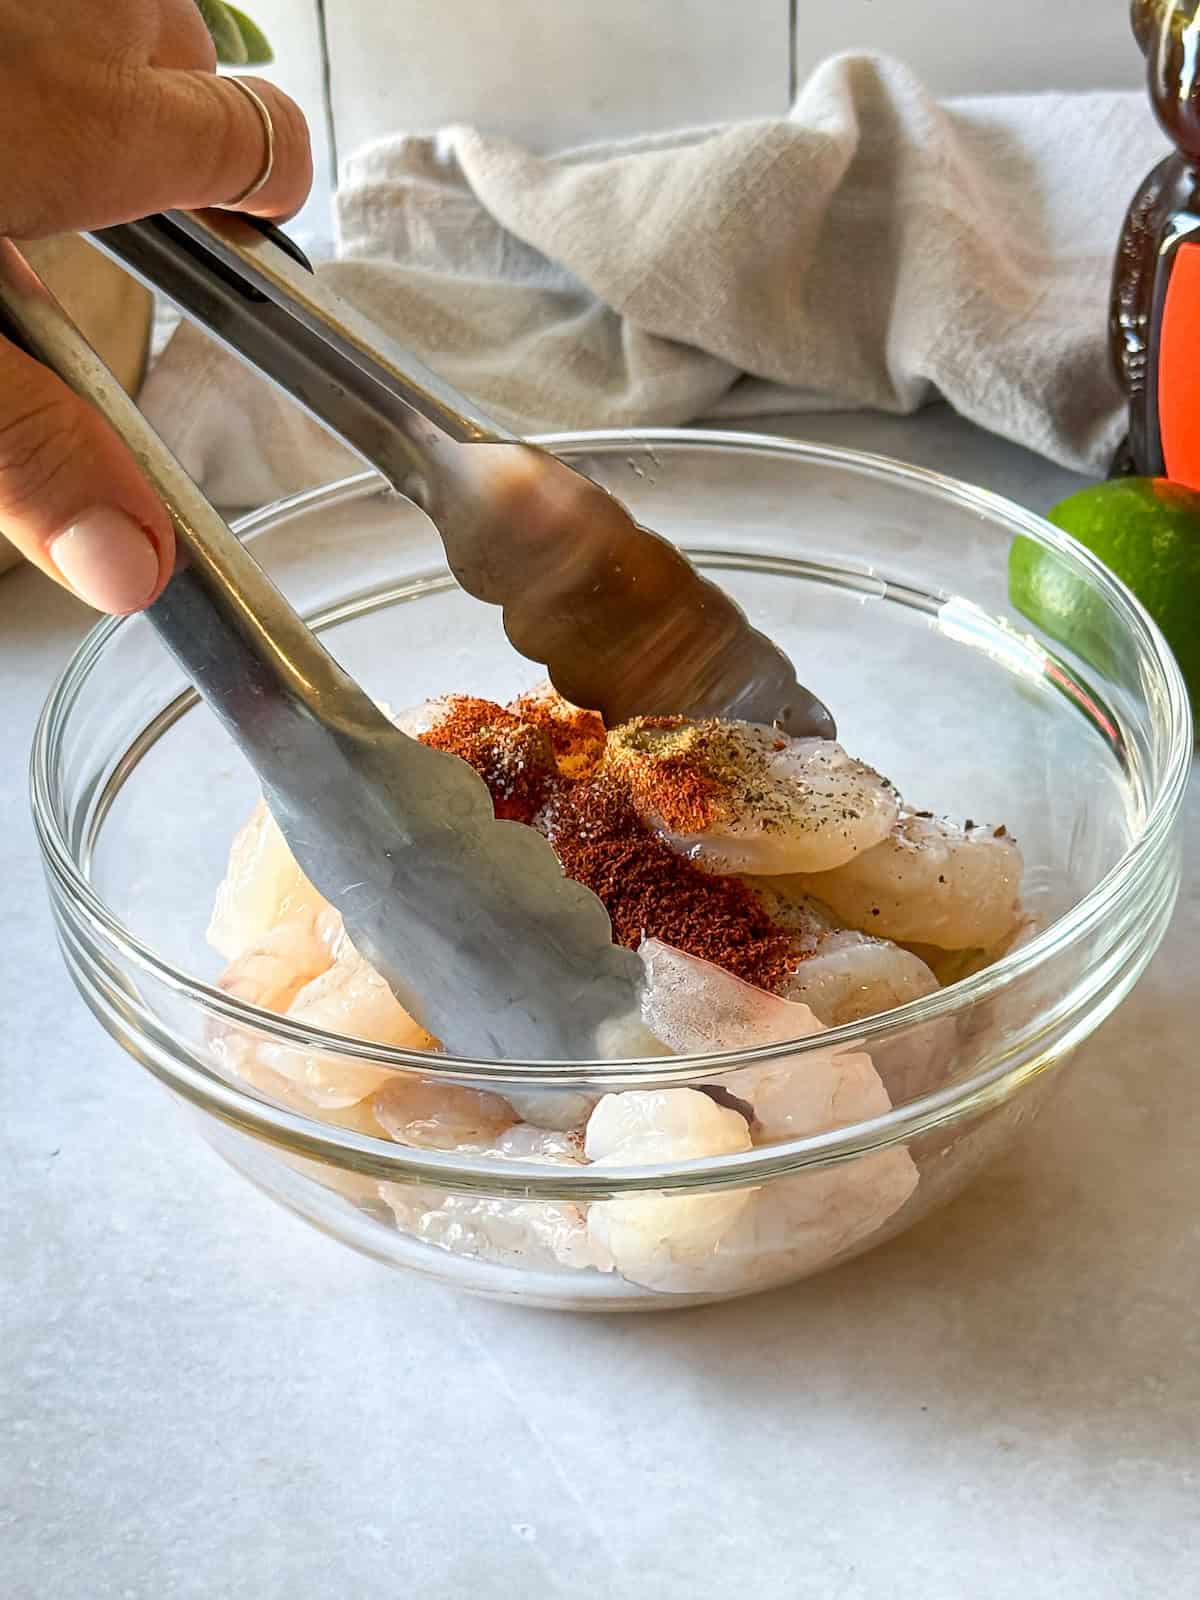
(553, 73)
(968, 47)
(558, 72)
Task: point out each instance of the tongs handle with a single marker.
(251, 288)
(493, 945)
(223, 619)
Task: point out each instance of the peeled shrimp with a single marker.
(929, 882)
(559, 1109)
(531, 1234)
(801, 915)
(273, 970)
(349, 998)
(700, 1009)
(289, 953)
(651, 1236)
(792, 1225)
(852, 976)
(798, 1225)
(735, 797)
(952, 966)
(842, 974)
(846, 976)
(436, 1116)
(270, 973)
(263, 885)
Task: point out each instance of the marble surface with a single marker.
(201, 1397)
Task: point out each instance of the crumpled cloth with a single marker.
(876, 248)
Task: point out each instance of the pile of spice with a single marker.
(543, 760)
(577, 737)
(514, 756)
(675, 770)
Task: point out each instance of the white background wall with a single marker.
(559, 72)
(554, 72)
(981, 46)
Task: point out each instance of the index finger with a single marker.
(214, 140)
(161, 139)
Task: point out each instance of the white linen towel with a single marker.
(874, 249)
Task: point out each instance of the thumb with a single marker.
(72, 499)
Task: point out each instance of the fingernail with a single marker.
(108, 559)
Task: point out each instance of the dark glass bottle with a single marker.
(1155, 320)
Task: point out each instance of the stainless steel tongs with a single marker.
(470, 920)
(620, 618)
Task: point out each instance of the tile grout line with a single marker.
(327, 89)
(793, 43)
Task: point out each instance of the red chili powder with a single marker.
(513, 757)
(576, 736)
(648, 890)
(652, 893)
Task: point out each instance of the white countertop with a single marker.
(202, 1397)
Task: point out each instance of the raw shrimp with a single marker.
(801, 915)
(843, 975)
(238, 1051)
(846, 976)
(950, 966)
(650, 1236)
(440, 1116)
(531, 1234)
(560, 1109)
(289, 953)
(736, 797)
(851, 976)
(929, 882)
(273, 970)
(792, 1225)
(263, 885)
(525, 1142)
(700, 1009)
(349, 998)
(798, 1225)
(270, 973)
(358, 1118)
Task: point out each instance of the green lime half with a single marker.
(1147, 531)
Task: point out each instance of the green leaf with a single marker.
(226, 35)
(257, 45)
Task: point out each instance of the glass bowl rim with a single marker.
(201, 1084)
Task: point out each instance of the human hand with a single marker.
(110, 110)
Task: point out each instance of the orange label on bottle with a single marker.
(1179, 369)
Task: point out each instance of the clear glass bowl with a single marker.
(887, 584)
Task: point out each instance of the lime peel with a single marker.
(1147, 532)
